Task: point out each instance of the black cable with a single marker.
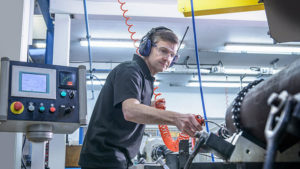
(201, 141)
(23, 164)
(187, 28)
(22, 160)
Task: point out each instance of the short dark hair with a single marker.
(164, 35)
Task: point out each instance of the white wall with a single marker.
(189, 101)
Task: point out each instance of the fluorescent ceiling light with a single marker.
(95, 82)
(225, 79)
(241, 71)
(109, 43)
(261, 48)
(113, 43)
(215, 84)
(40, 45)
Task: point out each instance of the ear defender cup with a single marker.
(146, 43)
(145, 47)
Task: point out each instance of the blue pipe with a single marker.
(49, 47)
(44, 7)
(87, 34)
(199, 73)
(80, 135)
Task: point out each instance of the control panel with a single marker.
(41, 94)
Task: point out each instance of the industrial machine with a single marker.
(40, 99)
(262, 130)
(263, 122)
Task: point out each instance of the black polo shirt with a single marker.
(110, 140)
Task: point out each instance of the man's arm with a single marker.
(136, 112)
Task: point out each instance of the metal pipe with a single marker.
(87, 34)
(89, 44)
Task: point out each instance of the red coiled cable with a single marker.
(129, 26)
(172, 145)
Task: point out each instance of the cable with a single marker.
(194, 153)
(213, 123)
(171, 144)
(199, 73)
(187, 28)
(129, 26)
(22, 160)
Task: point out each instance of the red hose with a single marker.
(171, 144)
(129, 26)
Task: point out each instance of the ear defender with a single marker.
(145, 47)
(146, 43)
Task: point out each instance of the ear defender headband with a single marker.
(146, 43)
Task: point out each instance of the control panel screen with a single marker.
(34, 82)
(67, 80)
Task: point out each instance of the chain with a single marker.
(236, 108)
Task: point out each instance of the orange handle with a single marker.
(200, 120)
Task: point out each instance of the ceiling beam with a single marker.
(205, 7)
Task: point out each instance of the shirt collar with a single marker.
(141, 62)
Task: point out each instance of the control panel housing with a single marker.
(42, 94)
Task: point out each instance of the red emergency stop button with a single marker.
(17, 107)
(52, 109)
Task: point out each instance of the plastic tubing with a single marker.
(171, 144)
(129, 26)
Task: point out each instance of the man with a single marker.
(124, 106)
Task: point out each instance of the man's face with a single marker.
(161, 56)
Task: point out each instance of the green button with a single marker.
(63, 94)
(42, 108)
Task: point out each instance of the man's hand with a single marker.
(188, 124)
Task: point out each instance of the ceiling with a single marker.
(213, 31)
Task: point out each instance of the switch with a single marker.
(42, 108)
(63, 93)
(52, 109)
(71, 94)
(31, 107)
(69, 109)
(16, 107)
